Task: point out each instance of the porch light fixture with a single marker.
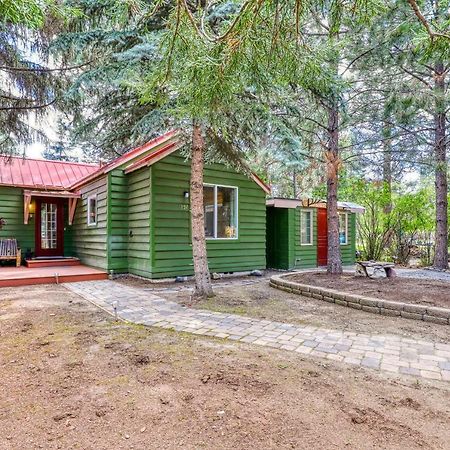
(186, 194)
(32, 209)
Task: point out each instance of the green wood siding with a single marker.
(89, 243)
(118, 221)
(348, 250)
(305, 256)
(170, 221)
(11, 209)
(139, 250)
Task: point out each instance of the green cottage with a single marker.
(132, 215)
(297, 233)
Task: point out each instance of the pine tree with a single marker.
(417, 54)
(28, 88)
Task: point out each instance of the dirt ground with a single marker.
(73, 379)
(158, 285)
(408, 290)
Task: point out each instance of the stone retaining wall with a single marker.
(368, 304)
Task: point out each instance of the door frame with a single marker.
(59, 250)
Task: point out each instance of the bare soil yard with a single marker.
(73, 379)
(408, 290)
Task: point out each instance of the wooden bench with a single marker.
(10, 251)
(375, 269)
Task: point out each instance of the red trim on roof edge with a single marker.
(139, 150)
(126, 157)
(153, 157)
(265, 187)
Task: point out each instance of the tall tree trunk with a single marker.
(334, 264)
(441, 183)
(203, 286)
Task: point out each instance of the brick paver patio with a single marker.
(394, 354)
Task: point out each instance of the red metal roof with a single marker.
(42, 173)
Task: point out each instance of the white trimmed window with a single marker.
(221, 211)
(343, 228)
(306, 227)
(92, 210)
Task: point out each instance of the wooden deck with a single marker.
(22, 276)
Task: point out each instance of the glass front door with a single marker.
(49, 227)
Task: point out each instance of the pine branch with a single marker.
(20, 108)
(409, 72)
(425, 23)
(43, 69)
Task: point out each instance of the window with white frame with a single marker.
(221, 211)
(343, 228)
(92, 210)
(306, 227)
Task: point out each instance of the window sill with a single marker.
(222, 239)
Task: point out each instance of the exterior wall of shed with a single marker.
(170, 221)
(348, 251)
(89, 243)
(305, 256)
(284, 248)
(11, 209)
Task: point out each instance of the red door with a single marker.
(322, 237)
(49, 227)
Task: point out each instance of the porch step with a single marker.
(23, 276)
(52, 262)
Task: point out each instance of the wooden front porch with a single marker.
(23, 276)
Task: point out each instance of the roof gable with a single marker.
(147, 155)
(131, 157)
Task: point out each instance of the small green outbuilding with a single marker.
(296, 233)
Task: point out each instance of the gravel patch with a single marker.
(423, 274)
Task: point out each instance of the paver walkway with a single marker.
(389, 353)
